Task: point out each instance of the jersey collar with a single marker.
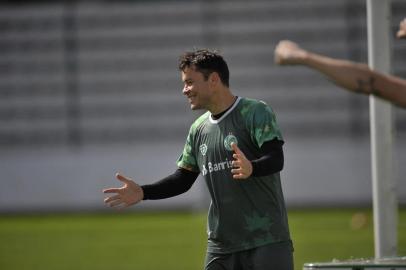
(224, 115)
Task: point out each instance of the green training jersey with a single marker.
(247, 213)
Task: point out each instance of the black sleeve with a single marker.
(177, 183)
(272, 160)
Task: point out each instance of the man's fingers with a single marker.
(117, 203)
(117, 200)
(117, 190)
(111, 190)
(122, 178)
(235, 148)
(236, 163)
(277, 57)
(112, 198)
(239, 176)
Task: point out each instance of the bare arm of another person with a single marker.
(355, 77)
(402, 29)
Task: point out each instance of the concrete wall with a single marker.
(328, 172)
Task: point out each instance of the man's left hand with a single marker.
(242, 167)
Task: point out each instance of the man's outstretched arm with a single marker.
(131, 193)
(355, 77)
(175, 184)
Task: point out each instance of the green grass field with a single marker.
(167, 240)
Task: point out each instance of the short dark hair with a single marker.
(206, 62)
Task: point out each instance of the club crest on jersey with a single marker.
(203, 149)
(229, 140)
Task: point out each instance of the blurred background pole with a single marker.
(382, 133)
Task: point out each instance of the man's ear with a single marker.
(214, 78)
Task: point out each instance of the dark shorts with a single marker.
(274, 256)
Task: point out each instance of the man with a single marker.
(237, 147)
(355, 77)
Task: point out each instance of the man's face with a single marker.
(196, 88)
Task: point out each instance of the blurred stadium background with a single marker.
(88, 88)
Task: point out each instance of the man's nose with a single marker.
(185, 90)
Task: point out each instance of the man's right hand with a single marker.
(288, 53)
(130, 193)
